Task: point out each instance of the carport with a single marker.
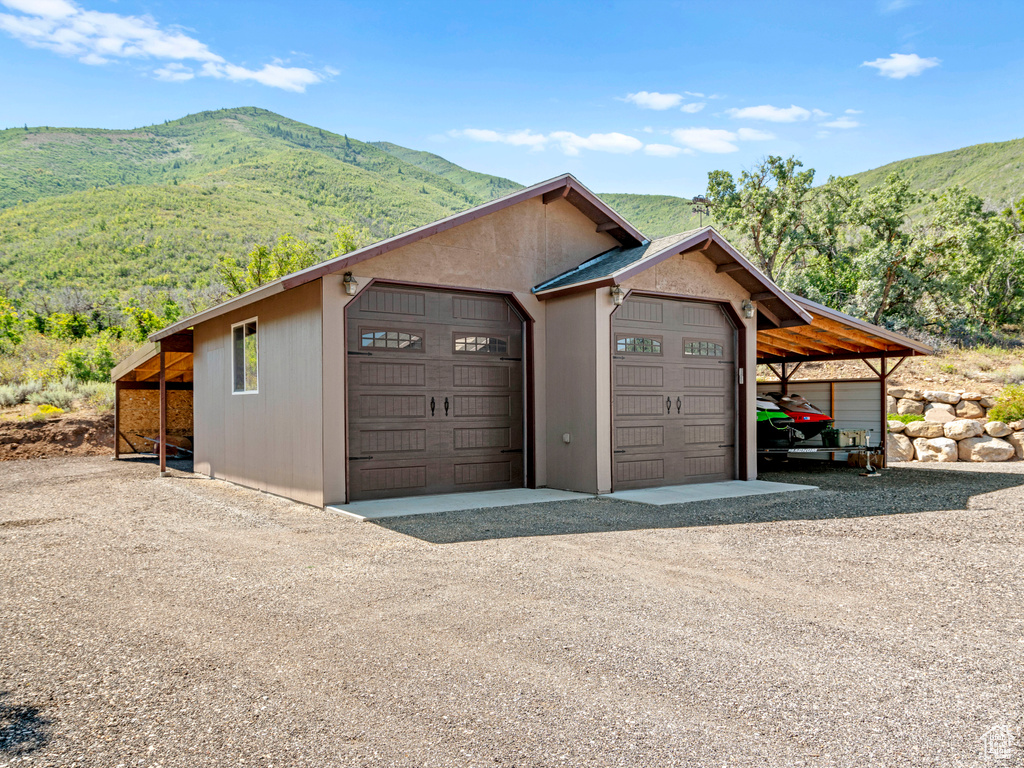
(854, 403)
(153, 399)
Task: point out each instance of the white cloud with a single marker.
(713, 140)
(174, 73)
(524, 138)
(695, 94)
(693, 107)
(95, 38)
(820, 114)
(655, 100)
(842, 122)
(662, 150)
(567, 141)
(901, 65)
(616, 143)
(752, 134)
(767, 112)
(891, 6)
(854, 112)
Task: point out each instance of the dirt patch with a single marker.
(73, 435)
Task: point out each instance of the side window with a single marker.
(641, 345)
(703, 348)
(245, 357)
(493, 345)
(372, 339)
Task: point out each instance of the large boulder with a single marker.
(940, 413)
(907, 394)
(890, 404)
(896, 426)
(969, 409)
(987, 402)
(997, 429)
(906, 405)
(971, 396)
(1016, 426)
(910, 394)
(963, 429)
(899, 448)
(950, 398)
(935, 449)
(917, 429)
(984, 449)
(1016, 439)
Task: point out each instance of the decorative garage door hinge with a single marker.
(513, 450)
(359, 458)
(512, 359)
(360, 353)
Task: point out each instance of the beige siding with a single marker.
(271, 440)
(572, 392)
(511, 250)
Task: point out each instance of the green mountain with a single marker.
(155, 206)
(994, 172)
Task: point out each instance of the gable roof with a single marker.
(776, 306)
(565, 187)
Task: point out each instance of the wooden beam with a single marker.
(878, 373)
(773, 351)
(769, 314)
(705, 245)
(774, 370)
(850, 333)
(117, 419)
(825, 337)
(789, 346)
(893, 369)
(786, 334)
(555, 194)
(732, 266)
(607, 225)
(163, 413)
(762, 296)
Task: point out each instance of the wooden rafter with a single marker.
(788, 335)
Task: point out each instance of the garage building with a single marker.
(538, 340)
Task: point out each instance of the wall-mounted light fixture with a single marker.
(617, 295)
(350, 284)
(748, 308)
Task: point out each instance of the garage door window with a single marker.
(245, 357)
(481, 344)
(703, 349)
(391, 340)
(643, 345)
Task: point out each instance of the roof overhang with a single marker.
(776, 307)
(144, 363)
(832, 335)
(565, 187)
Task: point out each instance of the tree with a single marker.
(10, 325)
(766, 208)
(288, 255)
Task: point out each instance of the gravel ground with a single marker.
(188, 622)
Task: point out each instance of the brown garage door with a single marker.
(674, 413)
(435, 393)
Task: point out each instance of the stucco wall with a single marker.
(511, 251)
(272, 439)
(692, 274)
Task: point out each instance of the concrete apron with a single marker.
(460, 502)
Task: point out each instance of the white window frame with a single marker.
(256, 391)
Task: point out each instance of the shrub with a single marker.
(1015, 375)
(906, 418)
(16, 394)
(99, 395)
(1009, 404)
(58, 395)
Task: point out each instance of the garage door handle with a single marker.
(446, 406)
(433, 405)
(668, 404)
(679, 405)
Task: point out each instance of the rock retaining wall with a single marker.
(955, 428)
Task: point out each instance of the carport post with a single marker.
(163, 413)
(117, 419)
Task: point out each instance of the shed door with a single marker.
(674, 412)
(435, 393)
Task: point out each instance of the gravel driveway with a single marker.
(188, 622)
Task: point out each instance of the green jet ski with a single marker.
(773, 425)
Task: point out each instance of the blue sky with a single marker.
(630, 97)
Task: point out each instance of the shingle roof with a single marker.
(610, 262)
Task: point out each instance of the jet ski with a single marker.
(773, 425)
(807, 419)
